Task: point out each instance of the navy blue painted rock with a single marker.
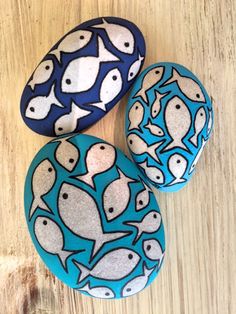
(169, 119)
(92, 218)
(83, 76)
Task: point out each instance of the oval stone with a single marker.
(169, 119)
(83, 76)
(92, 217)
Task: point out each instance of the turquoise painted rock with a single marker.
(83, 76)
(169, 119)
(92, 217)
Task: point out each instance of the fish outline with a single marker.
(149, 126)
(194, 139)
(87, 288)
(181, 179)
(134, 73)
(31, 82)
(146, 166)
(136, 127)
(162, 250)
(149, 191)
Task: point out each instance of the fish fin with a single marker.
(32, 84)
(175, 144)
(176, 180)
(105, 55)
(80, 113)
(57, 54)
(152, 150)
(142, 93)
(99, 105)
(38, 202)
(193, 139)
(174, 78)
(87, 178)
(84, 271)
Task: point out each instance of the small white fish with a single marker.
(210, 122)
(134, 68)
(76, 205)
(153, 250)
(156, 106)
(42, 73)
(177, 165)
(154, 129)
(200, 120)
(81, 73)
(50, 237)
(178, 122)
(150, 223)
(68, 122)
(72, 42)
(153, 173)
(116, 196)
(120, 36)
(151, 78)
(197, 156)
(136, 114)
(143, 197)
(43, 179)
(110, 89)
(98, 292)
(188, 86)
(138, 283)
(105, 153)
(66, 153)
(114, 265)
(138, 146)
(38, 108)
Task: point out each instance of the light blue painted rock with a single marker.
(83, 76)
(169, 119)
(92, 218)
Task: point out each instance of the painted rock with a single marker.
(92, 218)
(169, 119)
(83, 76)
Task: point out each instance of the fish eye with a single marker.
(131, 142)
(102, 147)
(107, 294)
(177, 106)
(197, 95)
(47, 67)
(81, 37)
(31, 109)
(68, 81)
(65, 196)
(140, 202)
(159, 132)
(114, 77)
(154, 216)
(50, 169)
(126, 44)
(45, 222)
(155, 111)
(111, 209)
(130, 256)
(178, 161)
(201, 114)
(136, 107)
(71, 160)
(157, 72)
(158, 177)
(131, 74)
(148, 247)
(60, 129)
(128, 289)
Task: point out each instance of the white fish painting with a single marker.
(177, 165)
(153, 250)
(156, 106)
(154, 128)
(143, 197)
(135, 115)
(98, 292)
(199, 123)
(153, 173)
(134, 68)
(42, 73)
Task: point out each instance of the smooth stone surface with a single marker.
(92, 218)
(169, 119)
(83, 76)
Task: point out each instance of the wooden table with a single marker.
(199, 274)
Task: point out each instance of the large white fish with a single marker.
(156, 106)
(154, 129)
(75, 206)
(153, 250)
(66, 153)
(188, 86)
(138, 146)
(98, 292)
(110, 89)
(38, 108)
(81, 73)
(43, 179)
(143, 197)
(193, 165)
(138, 283)
(135, 67)
(68, 122)
(105, 153)
(42, 73)
(50, 237)
(178, 122)
(150, 223)
(72, 42)
(151, 78)
(114, 265)
(120, 36)
(177, 165)
(136, 114)
(153, 173)
(199, 122)
(116, 196)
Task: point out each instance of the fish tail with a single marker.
(99, 105)
(38, 202)
(87, 178)
(122, 175)
(31, 84)
(142, 93)
(101, 25)
(152, 150)
(149, 124)
(174, 77)
(147, 271)
(193, 139)
(177, 180)
(63, 255)
(53, 98)
(136, 225)
(174, 144)
(57, 54)
(85, 288)
(140, 57)
(79, 112)
(103, 54)
(84, 271)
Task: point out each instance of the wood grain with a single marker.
(199, 274)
